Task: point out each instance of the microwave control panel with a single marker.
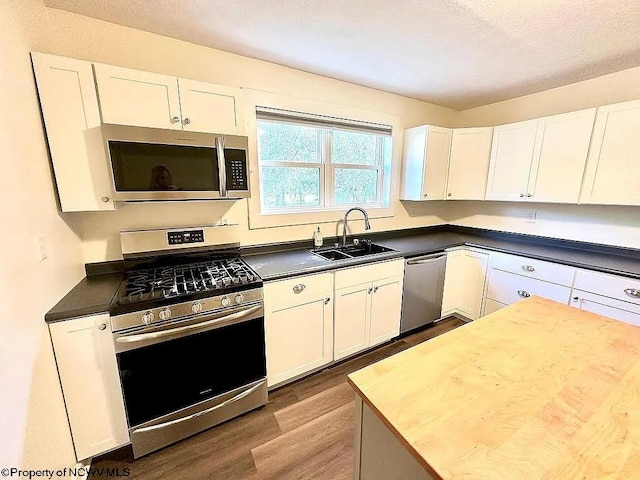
(236, 163)
(186, 236)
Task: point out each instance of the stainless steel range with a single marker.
(189, 335)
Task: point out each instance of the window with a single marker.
(313, 163)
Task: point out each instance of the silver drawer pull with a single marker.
(524, 294)
(327, 300)
(528, 268)
(632, 292)
(299, 288)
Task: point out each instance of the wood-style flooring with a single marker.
(304, 432)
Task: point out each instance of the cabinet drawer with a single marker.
(368, 273)
(608, 307)
(613, 286)
(538, 269)
(507, 288)
(296, 291)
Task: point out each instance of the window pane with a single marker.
(283, 142)
(290, 186)
(355, 186)
(354, 148)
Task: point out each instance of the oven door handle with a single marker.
(239, 396)
(142, 337)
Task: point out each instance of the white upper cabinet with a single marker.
(133, 97)
(70, 110)
(560, 155)
(540, 160)
(511, 156)
(425, 163)
(469, 163)
(210, 108)
(613, 173)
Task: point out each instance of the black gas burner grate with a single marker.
(180, 280)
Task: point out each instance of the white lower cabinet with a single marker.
(491, 306)
(508, 288)
(86, 362)
(298, 325)
(367, 314)
(613, 296)
(464, 282)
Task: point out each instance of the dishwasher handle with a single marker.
(426, 259)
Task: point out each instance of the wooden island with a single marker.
(538, 390)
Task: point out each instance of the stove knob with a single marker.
(196, 307)
(226, 301)
(165, 314)
(147, 318)
(239, 298)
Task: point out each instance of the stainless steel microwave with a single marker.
(156, 164)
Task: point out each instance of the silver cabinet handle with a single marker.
(426, 194)
(449, 194)
(375, 289)
(105, 199)
(522, 195)
(186, 121)
(370, 290)
(102, 326)
(327, 300)
(632, 292)
(528, 268)
(175, 119)
(575, 299)
(529, 195)
(524, 293)
(299, 288)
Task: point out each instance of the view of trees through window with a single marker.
(304, 167)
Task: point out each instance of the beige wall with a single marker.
(104, 42)
(34, 428)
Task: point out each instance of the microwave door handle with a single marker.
(222, 167)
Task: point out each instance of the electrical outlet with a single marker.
(531, 216)
(42, 248)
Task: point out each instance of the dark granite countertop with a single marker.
(95, 293)
(92, 295)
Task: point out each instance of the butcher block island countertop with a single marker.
(538, 390)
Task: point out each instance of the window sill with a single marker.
(285, 219)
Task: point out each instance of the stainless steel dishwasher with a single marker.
(422, 294)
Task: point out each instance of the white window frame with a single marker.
(274, 224)
(327, 168)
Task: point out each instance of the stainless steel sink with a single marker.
(359, 249)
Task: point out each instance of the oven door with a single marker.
(186, 376)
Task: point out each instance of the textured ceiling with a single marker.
(456, 53)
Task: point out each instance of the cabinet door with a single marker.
(436, 163)
(469, 163)
(132, 97)
(560, 157)
(298, 338)
(386, 304)
(464, 283)
(69, 107)
(612, 175)
(211, 108)
(352, 319)
(86, 362)
(606, 307)
(511, 156)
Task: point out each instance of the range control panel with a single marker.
(185, 236)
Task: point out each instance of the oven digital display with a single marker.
(186, 236)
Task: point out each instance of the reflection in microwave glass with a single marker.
(161, 179)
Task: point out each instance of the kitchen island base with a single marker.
(379, 455)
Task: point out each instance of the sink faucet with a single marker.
(367, 225)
